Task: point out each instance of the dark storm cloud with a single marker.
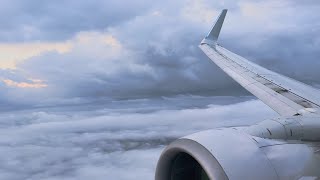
(157, 57)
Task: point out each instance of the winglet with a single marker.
(212, 37)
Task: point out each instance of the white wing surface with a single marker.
(284, 95)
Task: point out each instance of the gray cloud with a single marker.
(159, 54)
(285, 40)
(153, 61)
(60, 20)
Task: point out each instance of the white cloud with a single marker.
(13, 53)
(100, 143)
(34, 84)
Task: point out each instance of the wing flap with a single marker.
(297, 88)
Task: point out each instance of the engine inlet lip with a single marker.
(207, 161)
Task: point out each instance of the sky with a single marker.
(57, 53)
(81, 82)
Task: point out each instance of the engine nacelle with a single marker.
(233, 154)
(292, 128)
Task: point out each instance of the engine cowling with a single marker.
(233, 154)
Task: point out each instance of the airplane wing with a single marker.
(284, 95)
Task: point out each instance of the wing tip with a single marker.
(213, 35)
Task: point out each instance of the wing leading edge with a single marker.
(284, 95)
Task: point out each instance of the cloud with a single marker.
(154, 53)
(116, 75)
(13, 53)
(60, 20)
(121, 63)
(35, 84)
(284, 40)
(69, 143)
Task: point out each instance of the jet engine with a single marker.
(232, 153)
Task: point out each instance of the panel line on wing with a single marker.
(277, 88)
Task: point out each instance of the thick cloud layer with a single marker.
(155, 53)
(119, 143)
(150, 49)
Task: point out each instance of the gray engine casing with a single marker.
(232, 154)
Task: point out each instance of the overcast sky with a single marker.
(96, 89)
(55, 52)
